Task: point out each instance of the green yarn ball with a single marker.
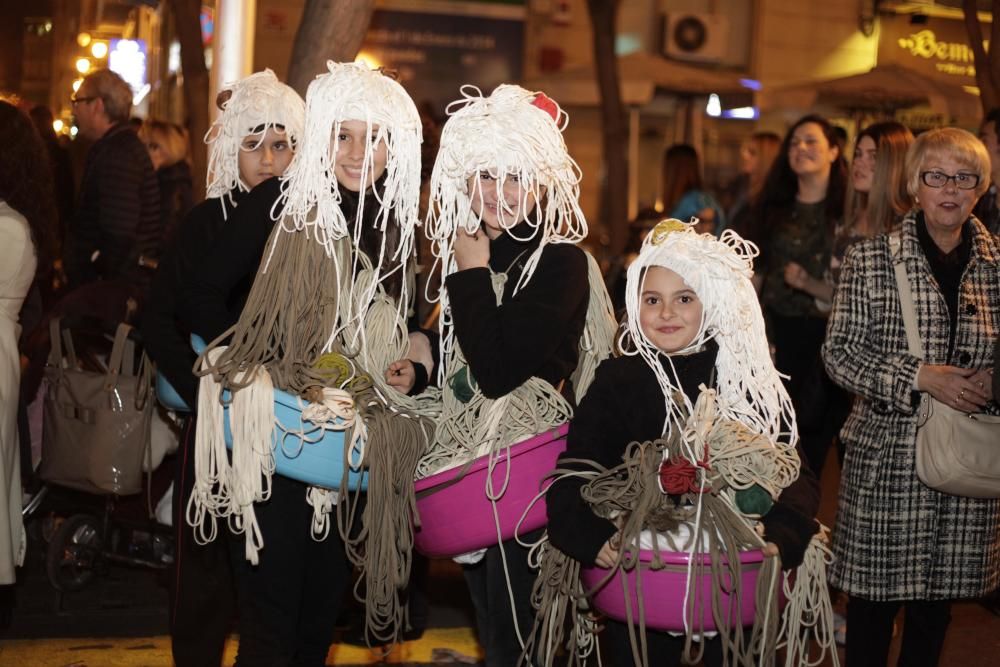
(754, 500)
(462, 384)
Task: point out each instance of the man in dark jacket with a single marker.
(118, 211)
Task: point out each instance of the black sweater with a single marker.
(206, 306)
(624, 405)
(535, 333)
(167, 340)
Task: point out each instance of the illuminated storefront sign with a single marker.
(128, 58)
(939, 47)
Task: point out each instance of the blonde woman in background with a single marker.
(897, 542)
(168, 149)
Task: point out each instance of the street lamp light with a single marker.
(83, 39)
(99, 49)
(82, 65)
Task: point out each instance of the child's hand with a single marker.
(471, 250)
(401, 376)
(771, 550)
(607, 556)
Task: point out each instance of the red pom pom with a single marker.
(546, 104)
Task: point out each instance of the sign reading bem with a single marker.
(938, 48)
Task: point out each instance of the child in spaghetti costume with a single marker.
(518, 299)
(699, 415)
(251, 140)
(327, 250)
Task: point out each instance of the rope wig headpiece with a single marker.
(750, 389)
(255, 104)
(512, 134)
(311, 193)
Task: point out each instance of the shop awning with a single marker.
(642, 76)
(884, 88)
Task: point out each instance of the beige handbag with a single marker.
(96, 424)
(957, 452)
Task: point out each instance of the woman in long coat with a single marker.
(898, 542)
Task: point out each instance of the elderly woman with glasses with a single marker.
(898, 542)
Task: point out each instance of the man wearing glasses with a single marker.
(117, 217)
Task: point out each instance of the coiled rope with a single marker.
(630, 495)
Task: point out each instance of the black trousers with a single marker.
(821, 407)
(869, 631)
(662, 649)
(288, 602)
(490, 596)
(203, 599)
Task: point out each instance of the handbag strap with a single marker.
(56, 338)
(905, 297)
(121, 349)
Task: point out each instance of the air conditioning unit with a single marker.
(695, 36)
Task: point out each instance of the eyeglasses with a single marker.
(79, 100)
(938, 179)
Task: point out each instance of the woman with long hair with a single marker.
(683, 195)
(799, 211)
(876, 201)
(757, 154)
(27, 223)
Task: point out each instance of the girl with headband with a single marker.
(252, 139)
(327, 249)
(525, 316)
(699, 415)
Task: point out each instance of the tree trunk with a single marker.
(614, 136)
(187, 16)
(987, 64)
(330, 30)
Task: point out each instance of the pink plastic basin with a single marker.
(456, 517)
(663, 592)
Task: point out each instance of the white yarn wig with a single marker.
(311, 195)
(513, 133)
(719, 270)
(256, 104)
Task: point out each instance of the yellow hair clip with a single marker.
(664, 228)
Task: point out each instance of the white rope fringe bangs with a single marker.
(513, 134)
(311, 194)
(258, 102)
(719, 270)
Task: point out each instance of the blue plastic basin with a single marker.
(316, 462)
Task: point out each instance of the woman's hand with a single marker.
(983, 379)
(401, 376)
(799, 278)
(471, 250)
(964, 389)
(608, 555)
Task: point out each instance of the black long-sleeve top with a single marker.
(118, 211)
(167, 339)
(208, 307)
(624, 405)
(534, 333)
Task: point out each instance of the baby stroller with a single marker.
(100, 422)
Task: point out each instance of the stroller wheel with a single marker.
(73, 553)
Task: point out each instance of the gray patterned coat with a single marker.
(896, 539)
